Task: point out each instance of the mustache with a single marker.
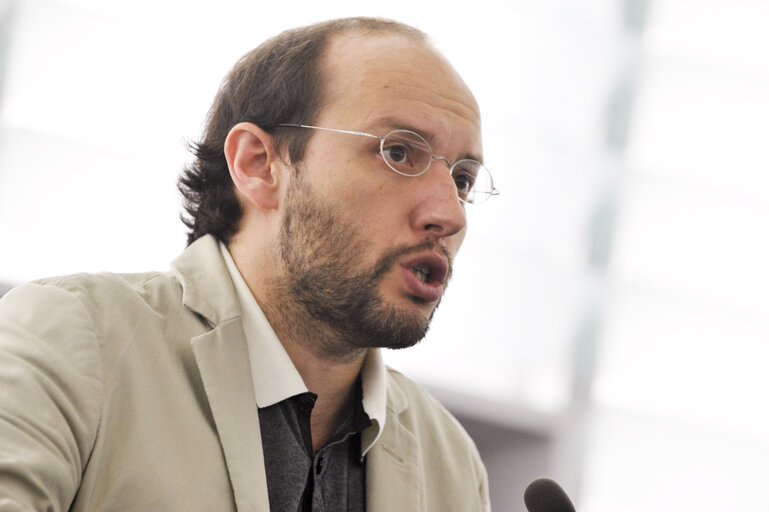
(387, 261)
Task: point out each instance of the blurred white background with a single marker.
(614, 300)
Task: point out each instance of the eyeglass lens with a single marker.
(408, 153)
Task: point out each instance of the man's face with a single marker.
(320, 251)
(368, 251)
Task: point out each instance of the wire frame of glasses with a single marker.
(408, 153)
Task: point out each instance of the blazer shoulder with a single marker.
(105, 292)
(107, 282)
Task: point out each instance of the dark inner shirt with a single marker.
(334, 479)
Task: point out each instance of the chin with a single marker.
(396, 326)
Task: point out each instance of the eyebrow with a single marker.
(391, 123)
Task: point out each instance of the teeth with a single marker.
(422, 272)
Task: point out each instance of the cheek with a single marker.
(455, 242)
(376, 206)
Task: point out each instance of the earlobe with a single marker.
(253, 164)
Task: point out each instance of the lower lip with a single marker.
(429, 292)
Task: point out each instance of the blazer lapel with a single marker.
(222, 358)
(393, 478)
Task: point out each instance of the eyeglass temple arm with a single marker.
(349, 132)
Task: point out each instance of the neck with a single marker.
(326, 369)
(328, 364)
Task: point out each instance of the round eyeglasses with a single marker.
(408, 153)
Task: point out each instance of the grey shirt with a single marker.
(331, 480)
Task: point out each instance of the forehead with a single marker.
(383, 79)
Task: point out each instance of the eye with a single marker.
(464, 176)
(406, 152)
(396, 153)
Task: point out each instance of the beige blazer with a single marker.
(134, 393)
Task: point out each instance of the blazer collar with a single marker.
(206, 285)
(222, 358)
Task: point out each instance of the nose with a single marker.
(439, 213)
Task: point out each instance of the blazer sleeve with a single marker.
(483, 485)
(50, 388)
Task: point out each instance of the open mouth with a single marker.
(430, 269)
(422, 272)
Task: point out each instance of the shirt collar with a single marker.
(374, 382)
(275, 377)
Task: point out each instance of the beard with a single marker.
(323, 298)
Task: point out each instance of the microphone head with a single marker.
(544, 495)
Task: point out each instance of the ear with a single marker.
(254, 165)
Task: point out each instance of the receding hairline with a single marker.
(371, 26)
(335, 42)
(365, 28)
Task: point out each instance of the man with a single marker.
(326, 203)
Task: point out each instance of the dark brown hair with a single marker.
(281, 81)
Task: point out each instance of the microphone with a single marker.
(544, 495)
